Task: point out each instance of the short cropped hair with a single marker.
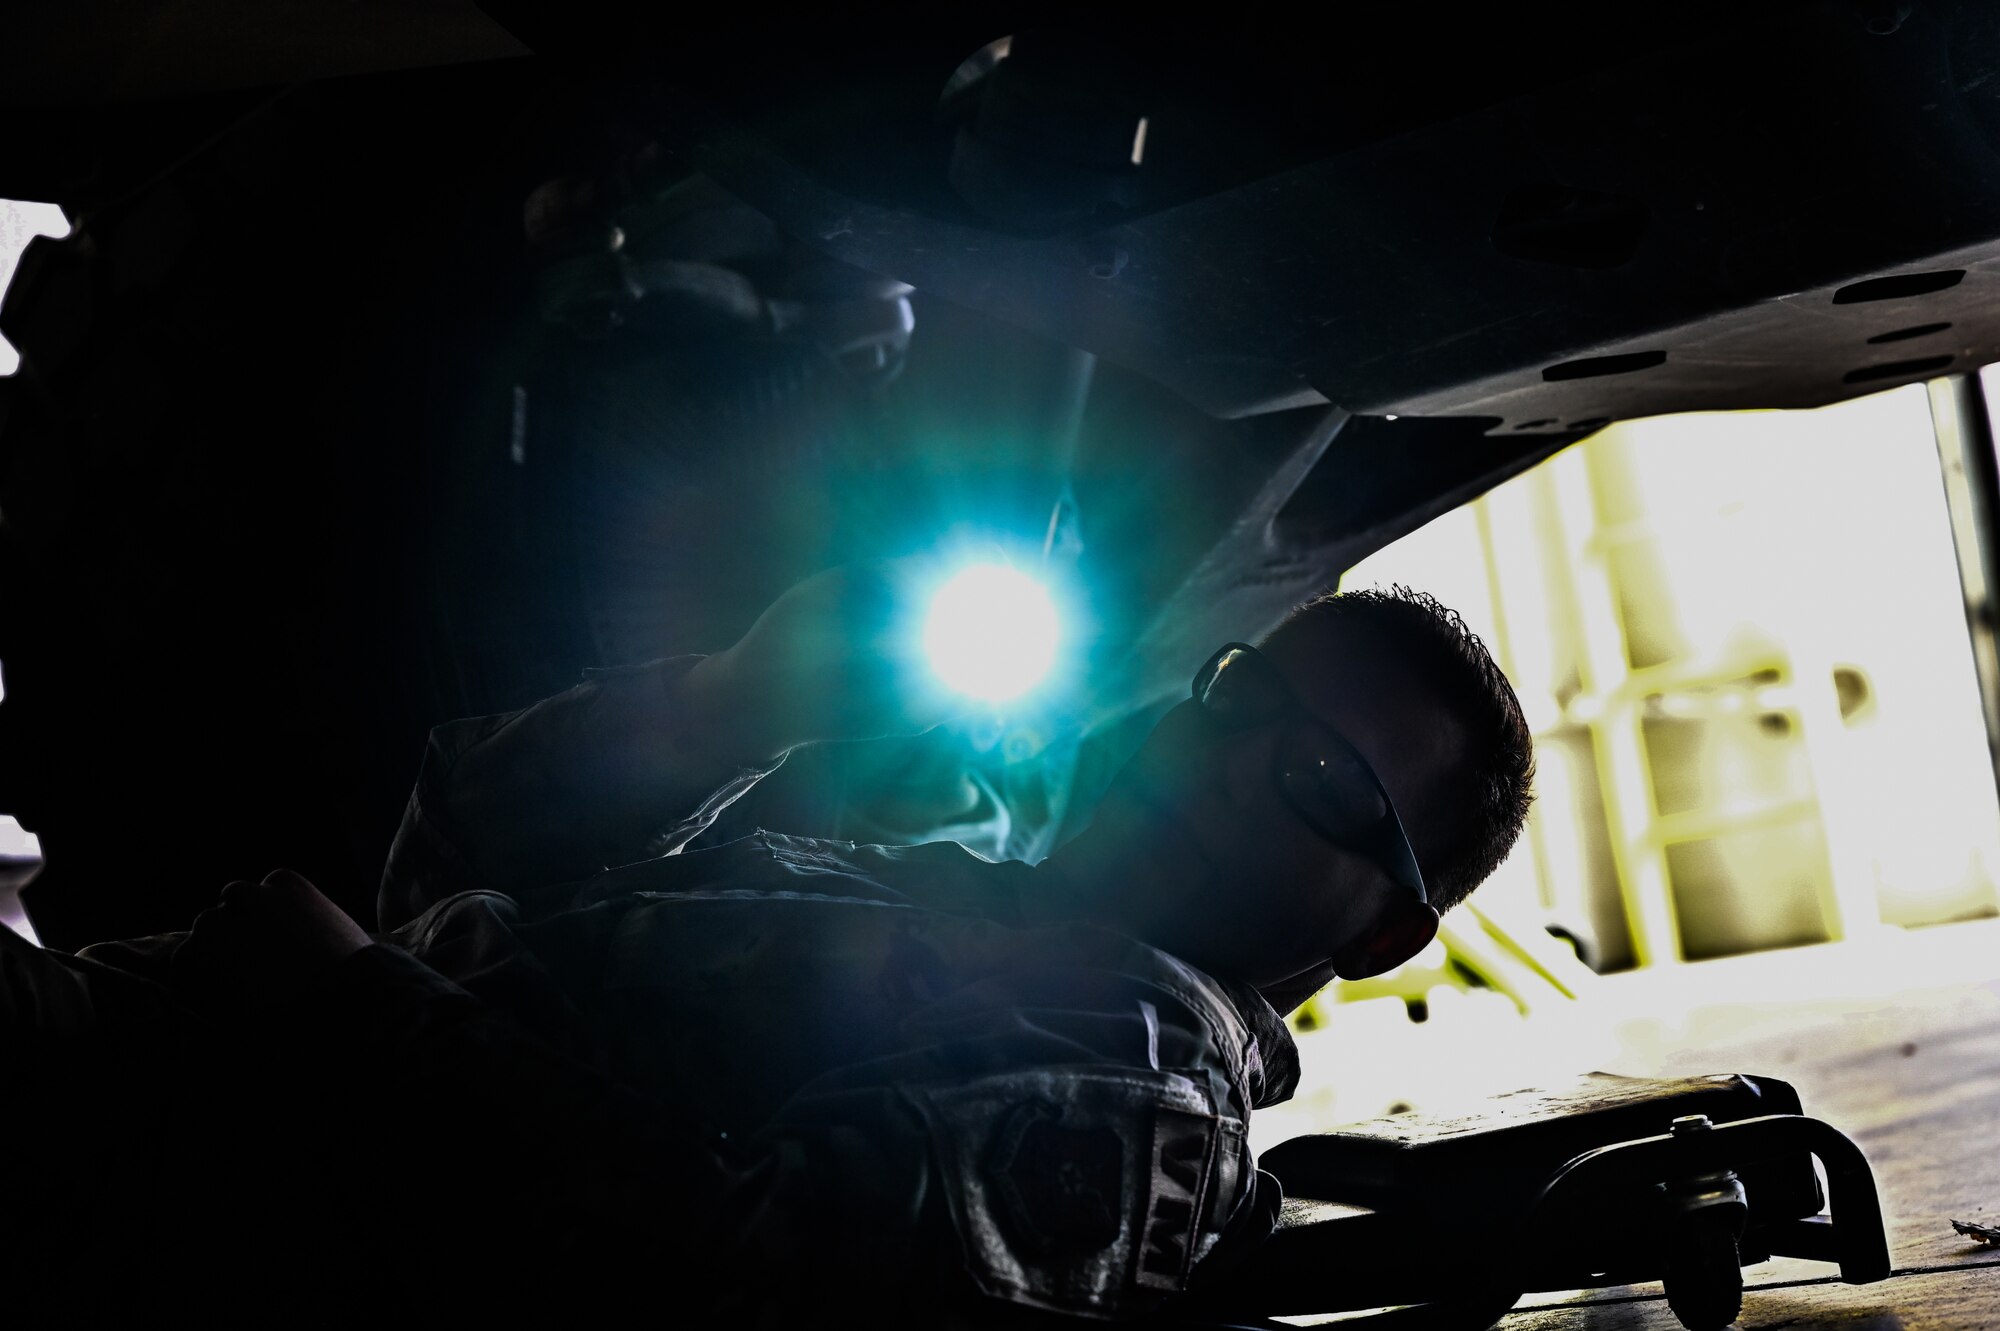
(1485, 802)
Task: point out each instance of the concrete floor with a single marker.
(1896, 1041)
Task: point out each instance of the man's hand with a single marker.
(838, 657)
(264, 943)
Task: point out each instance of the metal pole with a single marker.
(1971, 475)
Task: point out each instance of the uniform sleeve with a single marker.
(604, 774)
(1080, 1155)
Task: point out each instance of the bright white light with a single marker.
(991, 633)
(16, 841)
(20, 223)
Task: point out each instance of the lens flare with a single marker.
(991, 633)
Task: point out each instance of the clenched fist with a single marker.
(263, 943)
(838, 657)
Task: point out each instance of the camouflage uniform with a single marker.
(888, 1073)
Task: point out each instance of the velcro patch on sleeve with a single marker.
(1182, 1155)
(1078, 1190)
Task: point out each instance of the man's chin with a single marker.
(1288, 995)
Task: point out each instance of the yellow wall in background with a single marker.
(1740, 640)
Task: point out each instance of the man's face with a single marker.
(1258, 893)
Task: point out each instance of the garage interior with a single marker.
(374, 365)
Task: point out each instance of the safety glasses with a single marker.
(1322, 777)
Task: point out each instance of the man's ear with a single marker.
(1407, 933)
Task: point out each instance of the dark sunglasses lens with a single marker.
(1334, 786)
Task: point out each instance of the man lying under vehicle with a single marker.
(781, 1075)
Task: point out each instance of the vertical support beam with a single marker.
(1624, 773)
(1971, 476)
(1533, 833)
